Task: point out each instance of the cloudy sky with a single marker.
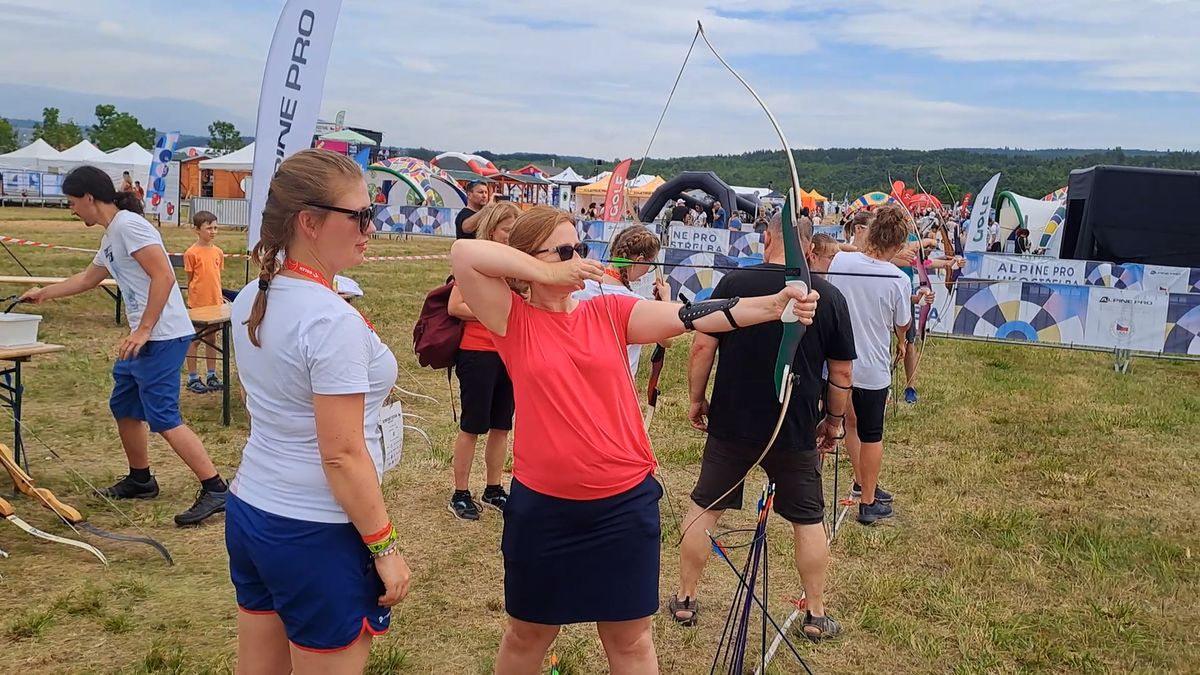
(591, 77)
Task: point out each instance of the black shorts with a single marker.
(796, 474)
(582, 560)
(869, 406)
(486, 392)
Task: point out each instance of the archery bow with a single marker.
(72, 517)
(7, 511)
(796, 275)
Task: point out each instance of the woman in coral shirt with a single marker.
(581, 527)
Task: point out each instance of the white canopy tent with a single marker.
(568, 177)
(238, 160)
(132, 158)
(37, 156)
(81, 152)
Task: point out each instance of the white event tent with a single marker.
(37, 156)
(238, 160)
(81, 152)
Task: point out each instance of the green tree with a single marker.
(8, 136)
(117, 129)
(61, 135)
(224, 137)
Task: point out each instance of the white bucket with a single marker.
(19, 330)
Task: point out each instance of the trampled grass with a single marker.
(1046, 518)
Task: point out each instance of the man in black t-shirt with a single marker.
(466, 223)
(743, 413)
(679, 213)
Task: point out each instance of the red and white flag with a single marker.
(614, 199)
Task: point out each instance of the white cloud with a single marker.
(578, 78)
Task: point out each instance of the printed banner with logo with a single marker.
(1132, 276)
(1091, 316)
(293, 82)
(977, 226)
(160, 174)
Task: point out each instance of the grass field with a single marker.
(1046, 515)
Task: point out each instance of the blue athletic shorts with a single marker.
(318, 577)
(146, 387)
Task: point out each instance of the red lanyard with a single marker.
(313, 275)
(616, 274)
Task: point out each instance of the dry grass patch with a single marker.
(1046, 517)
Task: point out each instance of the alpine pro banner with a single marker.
(977, 226)
(293, 82)
(614, 198)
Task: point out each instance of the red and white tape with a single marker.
(377, 258)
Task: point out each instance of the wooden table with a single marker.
(12, 389)
(108, 286)
(208, 321)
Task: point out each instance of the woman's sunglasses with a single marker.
(364, 215)
(567, 251)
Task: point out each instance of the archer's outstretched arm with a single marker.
(651, 321)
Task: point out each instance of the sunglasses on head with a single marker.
(364, 215)
(567, 251)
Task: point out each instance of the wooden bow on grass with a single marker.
(69, 515)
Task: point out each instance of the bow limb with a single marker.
(68, 514)
(797, 275)
(7, 512)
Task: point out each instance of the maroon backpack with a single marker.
(437, 334)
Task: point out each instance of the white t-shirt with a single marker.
(877, 306)
(313, 342)
(591, 289)
(126, 234)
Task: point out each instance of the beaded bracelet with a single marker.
(393, 549)
(385, 543)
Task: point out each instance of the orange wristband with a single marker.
(378, 536)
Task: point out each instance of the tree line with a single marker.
(113, 129)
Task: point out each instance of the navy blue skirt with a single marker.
(572, 561)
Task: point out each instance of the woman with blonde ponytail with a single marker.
(635, 249)
(484, 389)
(314, 557)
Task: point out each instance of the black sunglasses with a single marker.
(364, 215)
(567, 251)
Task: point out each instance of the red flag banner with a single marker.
(614, 198)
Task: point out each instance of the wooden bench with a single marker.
(108, 286)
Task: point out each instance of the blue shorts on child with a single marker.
(146, 387)
(318, 577)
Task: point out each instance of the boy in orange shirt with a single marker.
(203, 262)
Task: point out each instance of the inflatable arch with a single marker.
(706, 181)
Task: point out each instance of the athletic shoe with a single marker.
(910, 395)
(463, 506)
(870, 513)
(128, 488)
(196, 386)
(206, 504)
(213, 383)
(495, 497)
(881, 495)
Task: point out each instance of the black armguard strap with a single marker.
(835, 384)
(689, 314)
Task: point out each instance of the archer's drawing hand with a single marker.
(572, 273)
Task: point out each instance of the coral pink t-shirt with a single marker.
(578, 430)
